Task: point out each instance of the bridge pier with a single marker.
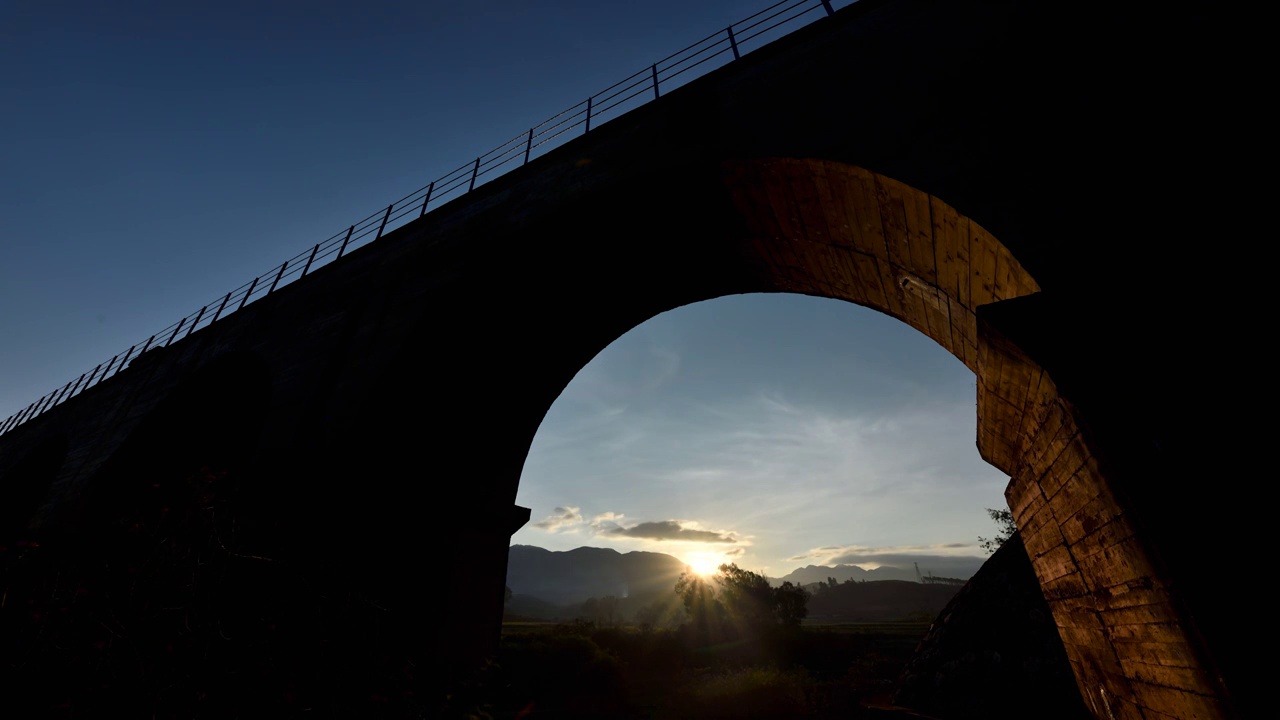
(1081, 490)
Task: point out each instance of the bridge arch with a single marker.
(843, 232)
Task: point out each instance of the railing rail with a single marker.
(614, 101)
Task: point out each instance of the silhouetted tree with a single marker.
(700, 603)
(747, 596)
(744, 597)
(604, 612)
(791, 604)
(648, 617)
(590, 609)
(1005, 527)
(608, 613)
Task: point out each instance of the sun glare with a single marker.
(704, 564)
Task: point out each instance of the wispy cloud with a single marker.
(563, 519)
(614, 525)
(859, 554)
(673, 530)
(762, 463)
(665, 365)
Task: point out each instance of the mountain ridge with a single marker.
(565, 577)
(961, 567)
(605, 585)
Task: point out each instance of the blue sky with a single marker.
(159, 154)
(783, 430)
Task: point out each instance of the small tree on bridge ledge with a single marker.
(1005, 526)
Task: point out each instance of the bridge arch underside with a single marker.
(842, 232)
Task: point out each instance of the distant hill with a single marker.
(554, 585)
(945, 566)
(571, 577)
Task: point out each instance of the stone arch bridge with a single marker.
(983, 171)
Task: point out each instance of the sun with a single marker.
(704, 564)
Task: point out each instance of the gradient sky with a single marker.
(159, 154)
(770, 430)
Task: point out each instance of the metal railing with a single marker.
(626, 94)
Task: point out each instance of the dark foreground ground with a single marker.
(580, 671)
(169, 606)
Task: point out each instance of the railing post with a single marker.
(76, 386)
(528, 145)
(22, 416)
(345, 240)
(733, 44)
(655, 81)
(32, 408)
(281, 273)
(125, 361)
(827, 4)
(247, 293)
(63, 392)
(44, 405)
(588, 117)
(194, 322)
(307, 267)
(430, 186)
(35, 410)
(383, 226)
(8, 423)
(181, 322)
(89, 382)
(475, 170)
(219, 313)
(109, 364)
(53, 398)
(50, 401)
